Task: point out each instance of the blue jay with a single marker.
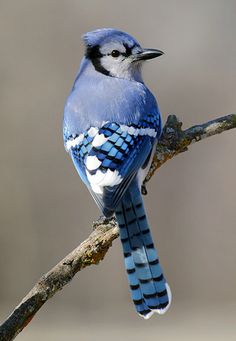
(111, 126)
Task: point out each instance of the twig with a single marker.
(174, 141)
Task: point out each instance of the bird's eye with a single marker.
(115, 53)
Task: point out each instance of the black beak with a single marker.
(148, 54)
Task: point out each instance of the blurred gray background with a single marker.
(45, 211)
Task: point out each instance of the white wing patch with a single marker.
(74, 142)
(139, 131)
(92, 131)
(92, 163)
(99, 140)
(100, 180)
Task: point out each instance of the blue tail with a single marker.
(150, 291)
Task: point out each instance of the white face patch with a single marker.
(121, 66)
(116, 66)
(113, 45)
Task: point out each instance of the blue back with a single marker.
(96, 98)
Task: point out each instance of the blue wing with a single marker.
(108, 158)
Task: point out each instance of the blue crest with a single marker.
(102, 35)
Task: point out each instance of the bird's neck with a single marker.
(134, 73)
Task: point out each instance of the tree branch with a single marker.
(174, 140)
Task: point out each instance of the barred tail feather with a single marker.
(149, 289)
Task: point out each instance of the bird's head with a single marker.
(116, 54)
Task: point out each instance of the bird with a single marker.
(111, 126)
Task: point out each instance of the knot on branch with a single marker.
(104, 224)
(172, 133)
(171, 143)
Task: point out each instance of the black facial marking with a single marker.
(128, 49)
(93, 53)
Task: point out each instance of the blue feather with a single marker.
(126, 159)
(148, 286)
